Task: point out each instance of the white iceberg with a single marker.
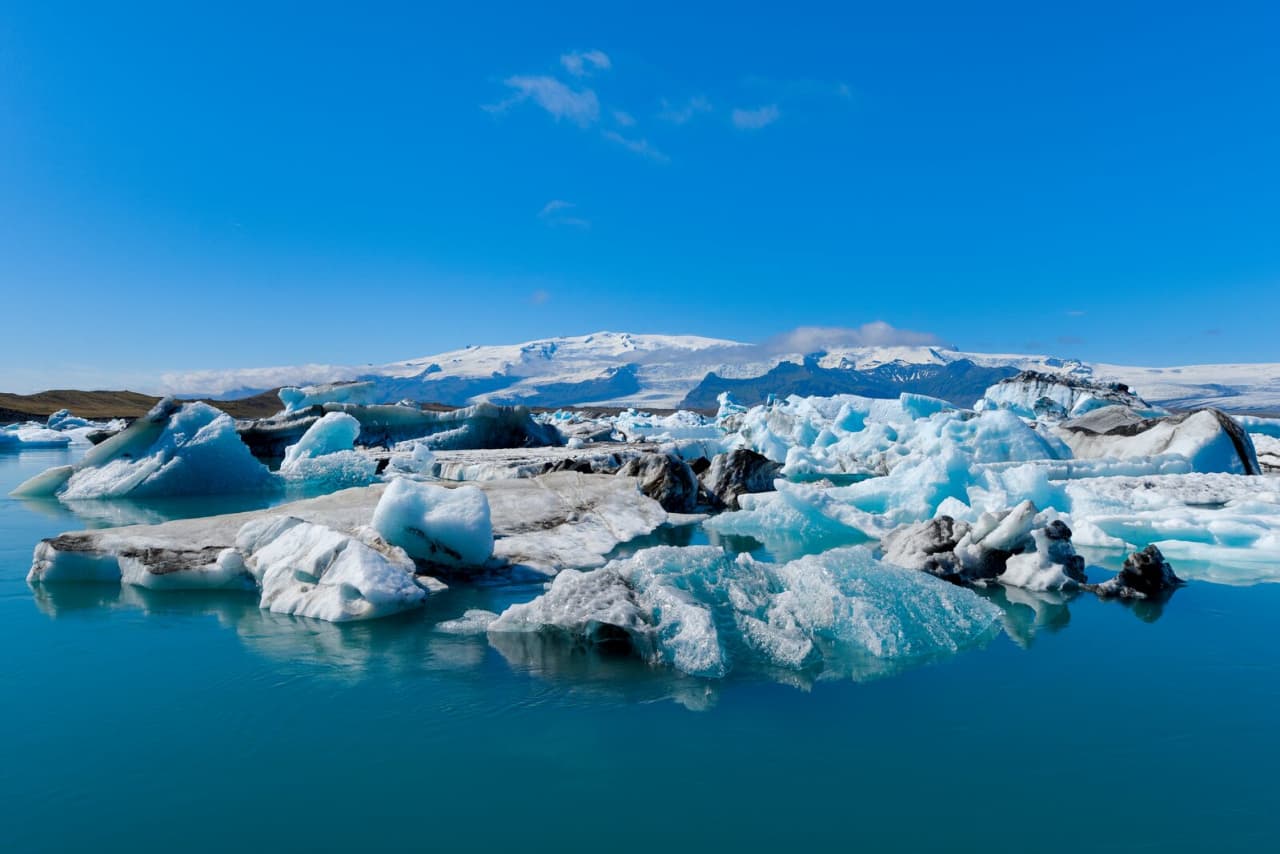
(176, 449)
(436, 524)
(311, 570)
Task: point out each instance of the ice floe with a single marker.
(538, 526)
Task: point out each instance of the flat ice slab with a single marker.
(560, 520)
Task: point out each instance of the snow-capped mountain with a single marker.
(666, 371)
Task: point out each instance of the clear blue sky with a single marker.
(237, 186)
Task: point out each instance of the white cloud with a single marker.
(581, 107)
(812, 339)
(623, 118)
(637, 146)
(679, 114)
(555, 213)
(584, 63)
(756, 118)
(539, 297)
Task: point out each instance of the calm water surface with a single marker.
(195, 722)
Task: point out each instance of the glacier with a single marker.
(665, 370)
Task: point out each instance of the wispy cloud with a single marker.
(681, 113)
(637, 146)
(585, 63)
(540, 297)
(756, 118)
(812, 339)
(556, 213)
(1076, 312)
(624, 119)
(581, 107)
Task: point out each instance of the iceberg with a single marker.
(176, 449)
(360, 393)
(1211, 440)
(310, 570)
(31, 436)
(482, 426)
(326, 454)
(436, 524)
(701, 612)
(1018, 547)
(1053, 397)
(563, 520)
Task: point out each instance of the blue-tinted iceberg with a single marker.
(176, 449)
(326, 455)
(702, 612)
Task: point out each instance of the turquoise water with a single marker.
(193, 721)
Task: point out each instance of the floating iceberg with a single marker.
(1036, 395)
(1019, 548)
(436, 524)
(360, 393)
(311, 570)
(326, 454)
(701, 612)
(20, 437)
(480, 426)
(560, 520)
(1210, 440)
(176, 449)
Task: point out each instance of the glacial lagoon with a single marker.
(193, 720)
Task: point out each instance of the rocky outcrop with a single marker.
(1014, 547)
(665, 478)
(1145, 575)
(737, 473)
(1053, 397)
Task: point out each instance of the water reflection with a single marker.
(410, 644)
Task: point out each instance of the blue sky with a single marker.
(234, 186)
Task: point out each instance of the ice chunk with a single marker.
(310, 570)
(1032, 394)
(336, 431)
(1020, 547)
(1209, 439)
(362, 393)
(738, 473)
(474, 427)
(32, 436)
(1231, 523)
(326, 454)
(699, 611)
(473, 621)
(441, 525)
(1146, 574)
